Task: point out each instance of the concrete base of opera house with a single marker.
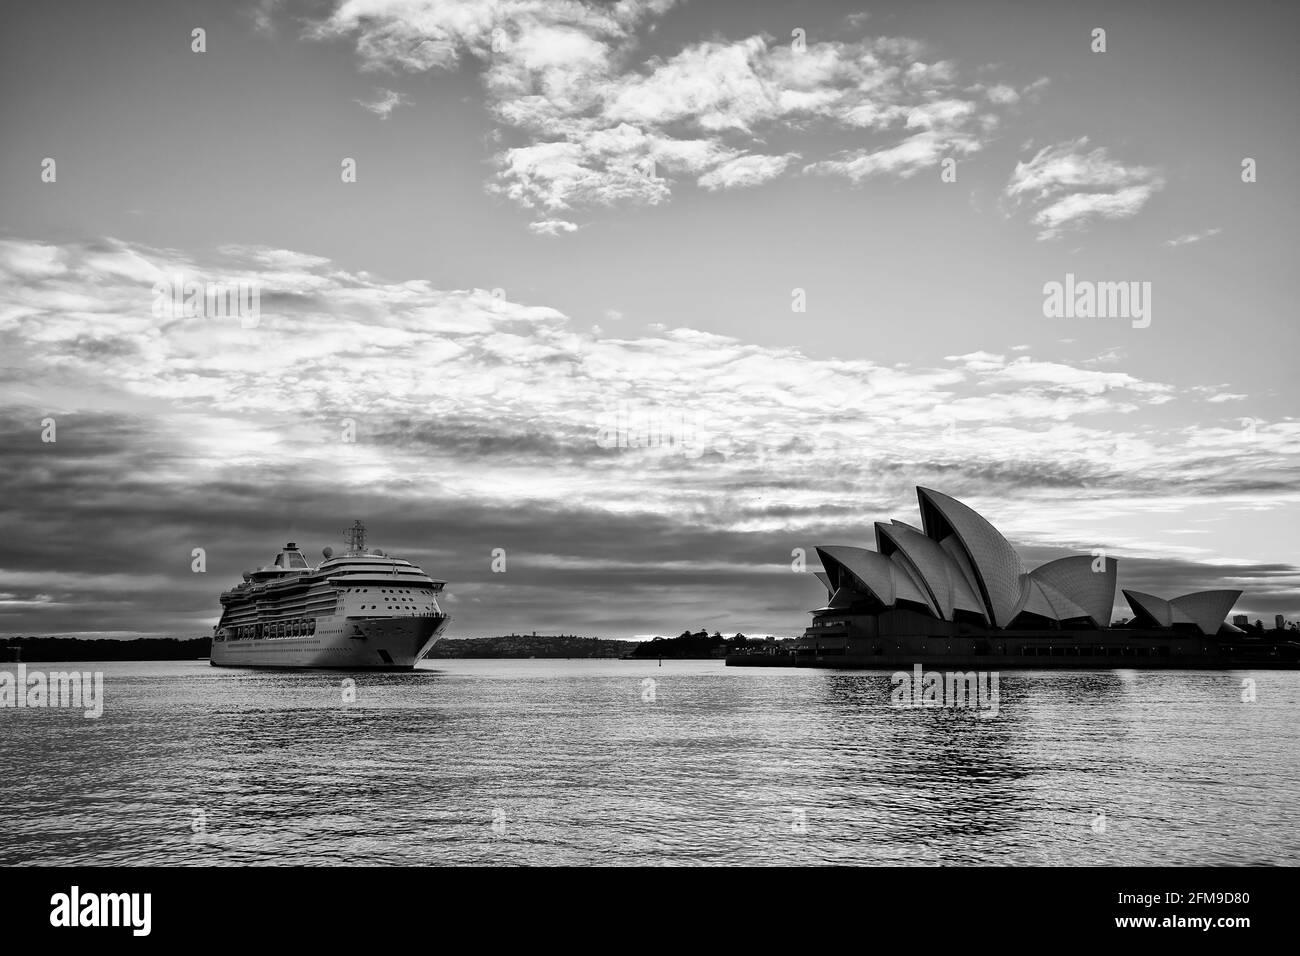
(1034, 650)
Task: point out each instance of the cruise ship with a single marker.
(362, 609)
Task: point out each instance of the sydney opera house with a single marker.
(955, 588)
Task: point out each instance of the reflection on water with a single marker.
(568, 762)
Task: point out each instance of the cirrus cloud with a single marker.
(1070, 186)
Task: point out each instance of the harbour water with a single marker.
(628, 762)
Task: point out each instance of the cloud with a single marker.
(978, 361)
(184, 430)
(586, 120)
(263, 14)
(612, 167)
(385, 102)
(1070, 187)
(914, 154)
(552, 227)
(1190, 237)
(746, 171)
(1002, 94)
(26, 260)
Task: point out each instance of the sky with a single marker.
(802, 251)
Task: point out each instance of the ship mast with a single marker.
(356, 536)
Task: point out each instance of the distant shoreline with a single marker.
(33, 650)
(29, 650)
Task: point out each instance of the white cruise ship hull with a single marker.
(351, 643)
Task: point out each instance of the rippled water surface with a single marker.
(571, 762)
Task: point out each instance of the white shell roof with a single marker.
(1088, 581)
(996, 564)
(960, 562)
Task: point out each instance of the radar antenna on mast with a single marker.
(356, 536)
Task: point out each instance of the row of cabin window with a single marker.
(389, 591)
(302, 627)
